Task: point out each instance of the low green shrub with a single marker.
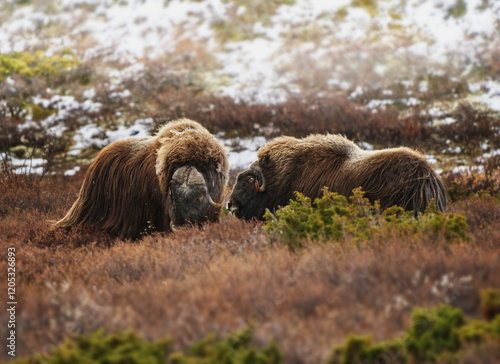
(437, 335)
(129, 348)
(360, 350)
(478, 331)
(99, 347)
(433, 332)
(35, 64)
(235, 349)
(333, 217)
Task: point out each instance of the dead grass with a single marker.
(227, 276)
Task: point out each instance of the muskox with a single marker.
(396, 176)
(139, 185)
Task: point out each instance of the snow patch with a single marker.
(242, 152)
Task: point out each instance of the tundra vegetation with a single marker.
(333, 218)
(331, 280)
(438, 335)
(363, 277)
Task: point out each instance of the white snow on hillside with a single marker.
(266, 63)
(294, 48)
(242, 152)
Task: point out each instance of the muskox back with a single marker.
(398, 176)
(127, 189)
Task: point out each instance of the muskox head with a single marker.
(189, 198)
(250, 184)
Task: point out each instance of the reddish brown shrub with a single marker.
(226, 276)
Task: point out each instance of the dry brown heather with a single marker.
(225, 276)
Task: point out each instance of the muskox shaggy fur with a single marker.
(397, 176)
(140, 185)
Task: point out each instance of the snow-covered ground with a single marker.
(491, 98)
(260, 57)
(297, 46)
(93, 135)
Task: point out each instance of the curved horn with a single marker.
(173, 227)
(209, 199)
(257, 168)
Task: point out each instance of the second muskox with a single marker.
(396, 176)
(140, 185)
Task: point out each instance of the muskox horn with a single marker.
(255, 166)
(173, 227)
(212, 202)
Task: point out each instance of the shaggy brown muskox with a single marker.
(139, 185)
(398, 176)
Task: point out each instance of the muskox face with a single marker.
(189, 199)
(250, 184)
